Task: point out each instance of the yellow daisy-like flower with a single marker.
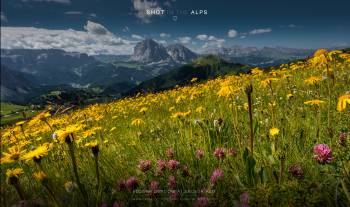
(13, 173)
(137, 122)
(274, 131)
(227, 91)
(200, 109)
(289, 96)
(257, 71)
(320, 52)
(13, 154)
(37, 153)
(313, 79)
(315, 102)
(68, 131)
(181, 114)
(342, 102)
(91, 144)
(143, 110)
(267, 82)
(40, 176)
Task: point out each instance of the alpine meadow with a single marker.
(278, 136)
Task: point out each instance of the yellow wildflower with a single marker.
(12, 155)
(289, 96)
(200, 109)
(181, 114)
(313, 79)
(342, 101)
(267, 82)
(314, 102)
(137, 122)
(40, 176)
(13, 174)
(143, 110)
(274, 131)
(37, 153)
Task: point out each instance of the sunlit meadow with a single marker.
(275, 137)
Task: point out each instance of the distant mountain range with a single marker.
(150, 51)
(203, 68)
(28, 73)
(262, 57)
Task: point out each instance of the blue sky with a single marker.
(288, 23)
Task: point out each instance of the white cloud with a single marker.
(73, 12)
(56, 1)
(3, 17)
(141, 6)
(243, 37)
(185, 40)
(163, 42)
(292, 25)
(202, 37)
(232, 33)
(138, 37)
(95, 28)
(164, 35)
(95, 40)
(260, 31)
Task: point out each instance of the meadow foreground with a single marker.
(278, 137)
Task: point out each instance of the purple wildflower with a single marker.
(219, 153)
(172, 182)
(161, 165)
(232, 152)
(170, 152)
(174, 196)
(323, 154)
(215, 176)
(173, 164)
(132, 183)
(122, 185)
(244, 199)
(202, 202)
(342, 138)
(295, 171)
(145, 165)
(200, 154)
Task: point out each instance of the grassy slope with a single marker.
(221, 122)
(10, 113)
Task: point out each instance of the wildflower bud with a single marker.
(161, 165)
(174, 196)
(219, 153)
(170, 152)
(215, 176)
(154, 186)
(172, 182)
(173, 164)
(70, 186)
(295, 171)
(244, 199)
(145, 165)
(342, 139)
(202, 202)
(249, 89)
(200, 154)
(185, 171)
(132, 183)
(232, 152)
(122, 185)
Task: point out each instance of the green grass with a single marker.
(145, 127)
(11, 113)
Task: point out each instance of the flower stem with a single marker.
(75, 171)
